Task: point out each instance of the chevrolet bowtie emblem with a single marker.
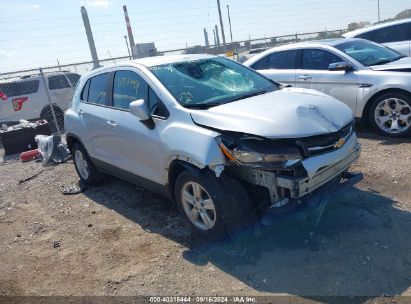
(339, 143)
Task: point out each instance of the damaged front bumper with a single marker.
(325, 174)
(317, 200)
(301, 186)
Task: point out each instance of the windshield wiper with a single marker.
(201, 106)
(248, 95)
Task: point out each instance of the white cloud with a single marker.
(7, 54)
(21, 6)
(98, 3)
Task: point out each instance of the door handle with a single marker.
(305, 77)
(112, 123)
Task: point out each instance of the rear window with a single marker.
(261, 64)
(74, 78)
(20, 88)
(98, 89)
(60, 81)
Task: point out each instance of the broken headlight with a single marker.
(256, 151)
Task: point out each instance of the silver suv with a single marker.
(225, 143)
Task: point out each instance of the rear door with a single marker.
(278, 66)
(313, 73)
(95, 117)
(21, 99)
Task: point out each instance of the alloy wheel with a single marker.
(81, 164)
(393, 115)
(198, 206)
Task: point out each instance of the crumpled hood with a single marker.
(401, 64)
(286, 113)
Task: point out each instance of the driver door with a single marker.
(313, 73)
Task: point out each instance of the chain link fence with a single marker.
(47, 92)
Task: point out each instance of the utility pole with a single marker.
(229, 22)
(221, 24)
(129, 31)
(128, 50)
(379, 19)
(217, 35)
(207, 43)
(90, 38)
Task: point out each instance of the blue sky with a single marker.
(35, 33)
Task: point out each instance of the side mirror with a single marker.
(139, 109)
(341, 66)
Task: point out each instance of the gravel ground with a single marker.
(118, 239)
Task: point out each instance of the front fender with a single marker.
(192, 144)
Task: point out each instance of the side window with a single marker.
(58, 82)
(368, 35)
(316, 59)
(84, 94)
(155, 105)
(98, 89)
(74, 78)
(20, 88)
(260, 64)
(128, 87)
(393, 33)
(282, 60)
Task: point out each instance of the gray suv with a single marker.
(226, 144)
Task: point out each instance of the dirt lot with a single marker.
(117, 239)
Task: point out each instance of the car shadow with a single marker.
(361, 246)
(366, 132)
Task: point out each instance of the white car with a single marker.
(26, 97)
(373, 80)
(395, 34)
(225, 143)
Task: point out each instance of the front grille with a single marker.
(318, 144)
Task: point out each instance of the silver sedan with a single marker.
(373, 80)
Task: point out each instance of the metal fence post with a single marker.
(50, 102)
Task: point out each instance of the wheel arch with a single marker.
(71, 139)
(47, 106)
(176, 167)
(365, 112)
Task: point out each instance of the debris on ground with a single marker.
(51, 148)
(30, 177)
(74, 188)
(30, 155)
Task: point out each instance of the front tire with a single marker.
(390, 114)
(86, 170)
(213, 206)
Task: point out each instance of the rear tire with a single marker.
(47, 114)
(214, 207)
(86, 170)
(390, 114)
